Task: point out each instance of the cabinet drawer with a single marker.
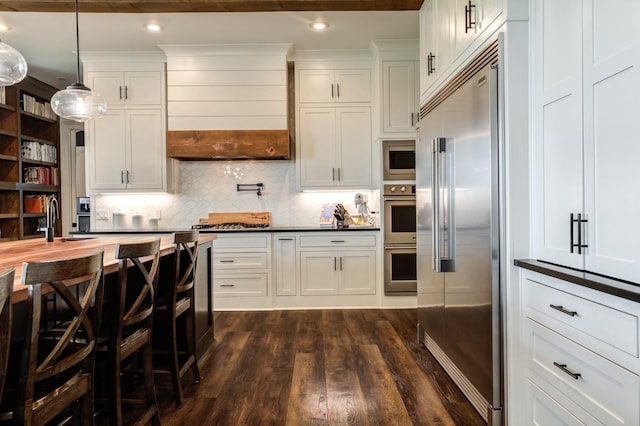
(222, 261)
(573, 315)
(338, 240)
(605, 390)
(240, 284)
(542, 409)
(235, 242)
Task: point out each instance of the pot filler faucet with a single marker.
(52, 205)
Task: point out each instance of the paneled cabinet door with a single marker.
(126, 151)
(335, 147)
(331, 86)
(318, 273)
(286, 266)
(130, 88)
(557, 128)
(587, 61)
(428, 44)
(400, 96)
(611, 81)
(358, 272)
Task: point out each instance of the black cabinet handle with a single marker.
(332, 92)
(227, 285)
(227, 261)
(564, 310)
(338, 90)
(564, 369)
(120, 92)
(579, 221)
(469, 22)
(337, 241)
(430, 68)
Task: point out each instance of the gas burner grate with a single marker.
(239, 226)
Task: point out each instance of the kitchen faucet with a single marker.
(50, 229)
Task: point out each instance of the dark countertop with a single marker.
(224, 231)
(625, 289)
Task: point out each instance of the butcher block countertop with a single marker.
(14, 253)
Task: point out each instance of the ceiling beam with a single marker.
(167, 6)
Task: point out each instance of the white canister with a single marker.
(119, 220)
(137, 221)
(153, 223)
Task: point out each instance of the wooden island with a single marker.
(15, 253)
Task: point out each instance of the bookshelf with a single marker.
(29, 159)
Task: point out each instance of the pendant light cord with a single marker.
(78, 45)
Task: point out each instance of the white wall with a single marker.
(205, 187)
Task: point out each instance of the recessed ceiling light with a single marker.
(4, 27)
(153, 27)
(319, 25)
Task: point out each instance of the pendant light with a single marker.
(13, 66)
(77, 102)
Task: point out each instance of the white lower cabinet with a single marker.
(241, 271)
(285, 265)
(581, 354)
(332, 272)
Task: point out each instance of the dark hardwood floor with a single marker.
(318, 367)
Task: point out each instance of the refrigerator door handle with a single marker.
(435, 205)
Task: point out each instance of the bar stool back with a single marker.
(57, 370)
(176, 300)
(134, 298)
(7, 276)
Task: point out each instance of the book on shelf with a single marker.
(41, 175)
(32, 150)
(33, 106)
(37, 203)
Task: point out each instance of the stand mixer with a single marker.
(361, 205)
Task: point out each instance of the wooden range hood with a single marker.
(228, 144)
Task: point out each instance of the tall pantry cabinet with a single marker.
(333, 111)
(29, 159)
(126, 149)
(586, 80)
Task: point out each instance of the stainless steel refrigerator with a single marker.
(458, 235)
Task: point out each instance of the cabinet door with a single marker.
(318, 273)
(286, 267)
(109, 84)
(358, 272)
(146, 152)
(316, 86)
(352, 85)
(399, 94)
(429, 58)
(463, 31)
(142, 88)
(317, 147)
(106, 165)
(557, 128)
(353, 138)
(611, 105)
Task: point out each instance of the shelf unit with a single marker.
(29, 149)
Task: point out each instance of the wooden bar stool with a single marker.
(175, 312)
(57, 369)
(131, 330)
(7, 276)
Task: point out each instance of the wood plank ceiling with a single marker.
(167, 6)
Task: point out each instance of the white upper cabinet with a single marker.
(129, 88)
(400, 96)
(586, 61)
(334, 86)
(334, 147)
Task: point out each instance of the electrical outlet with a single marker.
(158, 214)
(102, 214)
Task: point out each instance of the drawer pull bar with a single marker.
(227, 261)
(564, 368)
(564, 310)
(337, 241)
(227, 285)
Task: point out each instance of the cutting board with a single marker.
(238, 217)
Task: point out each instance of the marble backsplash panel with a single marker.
(204, 187)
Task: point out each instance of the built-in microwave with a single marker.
(399, 160)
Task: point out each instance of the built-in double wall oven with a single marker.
(400, 269)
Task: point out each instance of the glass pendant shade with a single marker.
(78, 103)
(13, 66)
